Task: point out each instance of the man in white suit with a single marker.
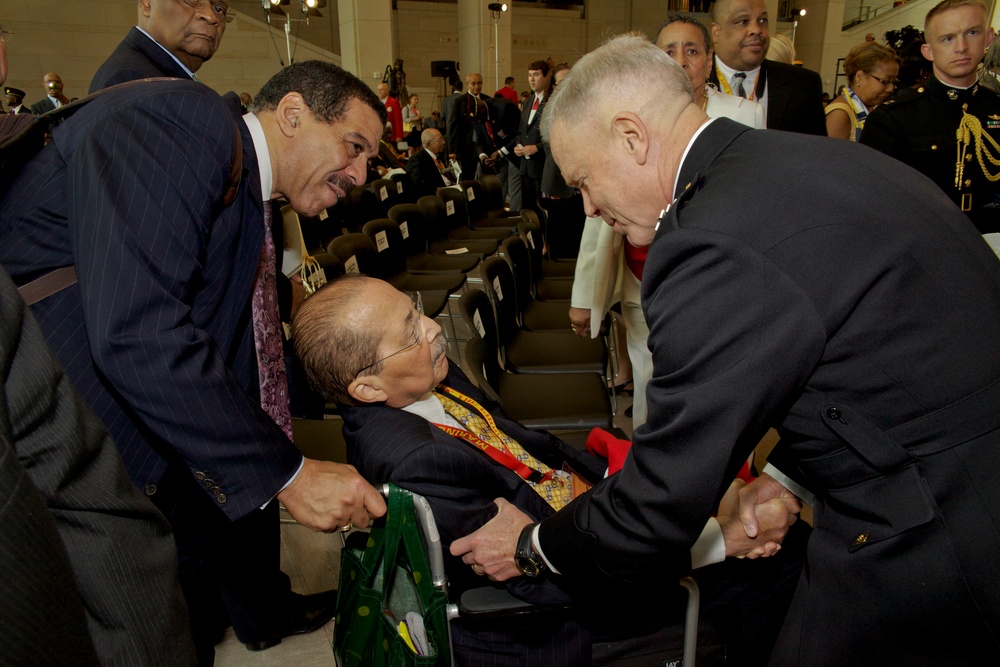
(608, 269)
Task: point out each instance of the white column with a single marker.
(366, 38)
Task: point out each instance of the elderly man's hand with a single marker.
(490, 550)
(329, 496)
(774, 517)
(579, 319)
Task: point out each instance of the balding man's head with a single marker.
(360, 340)
(432, 140)
(474, 83)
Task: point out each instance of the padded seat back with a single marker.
(357, 253)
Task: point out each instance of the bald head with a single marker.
(474, 83)
(432, 139)
(333, 338)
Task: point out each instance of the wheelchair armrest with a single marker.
(490, 603)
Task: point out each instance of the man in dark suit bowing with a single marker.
(425, 167)
(413, 418)
(160, 303)
(170, 39)
(792, 95)
(839, 328)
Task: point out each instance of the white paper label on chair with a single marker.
(531, 240)
(399, 187)
(478, 321)
(450, 208)
(496, 288)
(456, 251)
(381, 241)
(404, 229)
(470, 195)
(383, 193)
(351, 265)
(323, 215)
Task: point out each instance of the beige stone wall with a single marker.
(73, 38)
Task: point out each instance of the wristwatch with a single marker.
(528, 561)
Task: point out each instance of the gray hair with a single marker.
(627, 70)
(330, 343)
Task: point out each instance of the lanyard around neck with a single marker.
(501, 456)
(729, 91)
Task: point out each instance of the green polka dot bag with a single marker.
(388, 610)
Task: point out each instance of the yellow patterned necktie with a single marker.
(556, 490)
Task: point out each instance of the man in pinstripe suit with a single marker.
(84, 555)
(136, 192)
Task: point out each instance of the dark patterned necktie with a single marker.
(267, 335)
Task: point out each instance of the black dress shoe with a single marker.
(312, 613)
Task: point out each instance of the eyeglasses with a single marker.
(418, 305)
(220, 9)
(5, 35)
(894, 83)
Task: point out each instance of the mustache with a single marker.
(343, 182)
(440, 348)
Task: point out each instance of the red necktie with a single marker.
(267, 335)
(534, 107)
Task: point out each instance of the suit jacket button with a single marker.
(199, 476)
(861, 539)
(221, 498)
(833, 413)
(215, 490)
(208, 482)
(149, 489)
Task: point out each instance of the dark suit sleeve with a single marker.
(59, 470)
(451, 126)
(815, 117)
(732, 339)
(141, 224)
(883, 133)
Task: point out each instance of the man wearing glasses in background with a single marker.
(171, 38)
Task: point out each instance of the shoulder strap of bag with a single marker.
(20, 146)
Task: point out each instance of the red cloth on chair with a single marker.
(615, 450)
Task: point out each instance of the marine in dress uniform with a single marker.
(949, 134)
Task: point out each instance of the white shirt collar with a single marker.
(728, 72)
(431, 153)
(687, 148)
(430, 408)
(263, 154)
(183, 67)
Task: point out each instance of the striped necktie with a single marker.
(739, 78)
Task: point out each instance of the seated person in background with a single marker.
(425, 167)
(408, 412)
